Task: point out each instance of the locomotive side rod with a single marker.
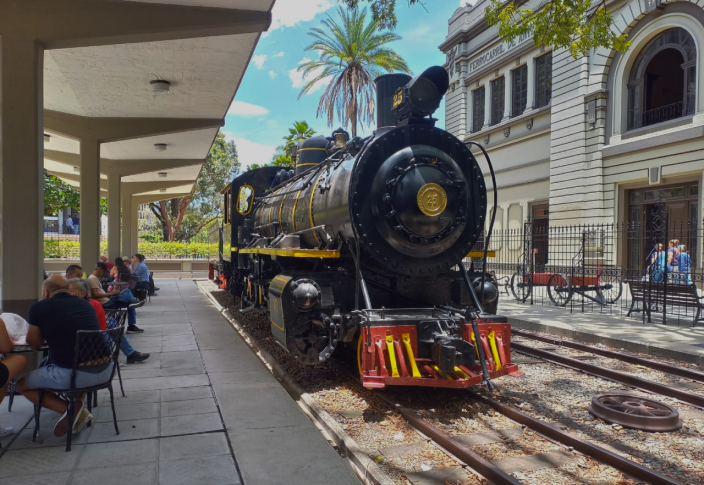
(605, 456)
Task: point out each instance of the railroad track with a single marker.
(651, 364)
(612, 375)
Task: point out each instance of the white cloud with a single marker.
(272, 74)
(259, 60)
(278, 54)
(246, 109)
(287, 13)
(298, 81)
(250, 152)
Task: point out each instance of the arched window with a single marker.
(662, 84)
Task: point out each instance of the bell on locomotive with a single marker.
(361, 251)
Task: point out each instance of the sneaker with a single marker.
(6, 431)
(134, 329)
(156, 289)
(135, 357)
(138, 304)
(61, 426)
(82, 421)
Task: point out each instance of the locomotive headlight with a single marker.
(422, 95)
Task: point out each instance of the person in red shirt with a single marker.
(104, 259)
(80, 288)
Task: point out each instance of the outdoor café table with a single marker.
(115, 284)
(22, 349)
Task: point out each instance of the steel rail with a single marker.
(476, 462)
(612, 459)
(610, 374)
(662, 367)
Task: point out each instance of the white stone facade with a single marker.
(579, 154)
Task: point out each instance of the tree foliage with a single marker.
(184, 217)
(297, 133)
(576, 25)
(58, 195)
(353, 52)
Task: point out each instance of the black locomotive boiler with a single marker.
(361, 248)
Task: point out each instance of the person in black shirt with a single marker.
(56, 318)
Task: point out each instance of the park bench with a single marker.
(654, 295)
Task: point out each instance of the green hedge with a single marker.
(72, 249)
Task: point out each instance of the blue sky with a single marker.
(267, 101)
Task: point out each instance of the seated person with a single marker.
(56, 318)
(104, 299)
(74, 271)
(10, 367)
(81, 289)
(140, 270)
(104, 259)
(120, 271)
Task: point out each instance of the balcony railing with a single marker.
(663, 113)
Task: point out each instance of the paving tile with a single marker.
(35, 461)
(132, 412)
(441, 476)
(135, 397)
(209, 470)
(47, 479)
(133, 452)
(171, 359)
(139, 372)
(258, 407)
(300, 454)
(209, 444)
(194, 406)
(128, 473)
(551, 459)
(166, 382)
(129, 430)
(46, 438)
(183, 370)
(261, 376)
(179, 348)
(190, 424)
(186, 393)
(229, 361)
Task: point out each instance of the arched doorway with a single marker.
(662, 83)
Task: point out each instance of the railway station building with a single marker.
(597, 139)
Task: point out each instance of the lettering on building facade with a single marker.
(497, 52)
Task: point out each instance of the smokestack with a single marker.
(386, 86)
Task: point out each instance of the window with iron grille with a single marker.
(543, 80)
(519, 90)
(478, 109)
(498, 98)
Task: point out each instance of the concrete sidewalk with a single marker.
(630, 333)
(203, 409)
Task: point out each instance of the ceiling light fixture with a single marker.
(160, 147)
(47, 138)
(76, 169)
(162, 174)
(159, 86)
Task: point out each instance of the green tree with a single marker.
(296, 134)
(575, 25)
(58, 195)
(353, 53)
(184, 217)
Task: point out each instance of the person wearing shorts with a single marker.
(10, 367)
(57, 318)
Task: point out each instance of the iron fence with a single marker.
(651, 270)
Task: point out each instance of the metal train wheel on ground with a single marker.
(611, 287)
(634, 411)
(560, 289)
(521, 286)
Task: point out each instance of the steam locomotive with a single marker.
(360, 248)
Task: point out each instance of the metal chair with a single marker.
(96, 350)
(116, 318)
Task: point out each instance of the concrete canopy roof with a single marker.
(113, 82)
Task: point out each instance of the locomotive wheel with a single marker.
(611, 287)
(312, 338)
(521, 286)
(633, 411)
(559, 289)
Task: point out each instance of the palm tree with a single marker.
(300, 131)
(352, 55)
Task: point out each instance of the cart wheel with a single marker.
(559, 289)
(521, 286)
(611, 287)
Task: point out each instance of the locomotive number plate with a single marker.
(432, 199)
